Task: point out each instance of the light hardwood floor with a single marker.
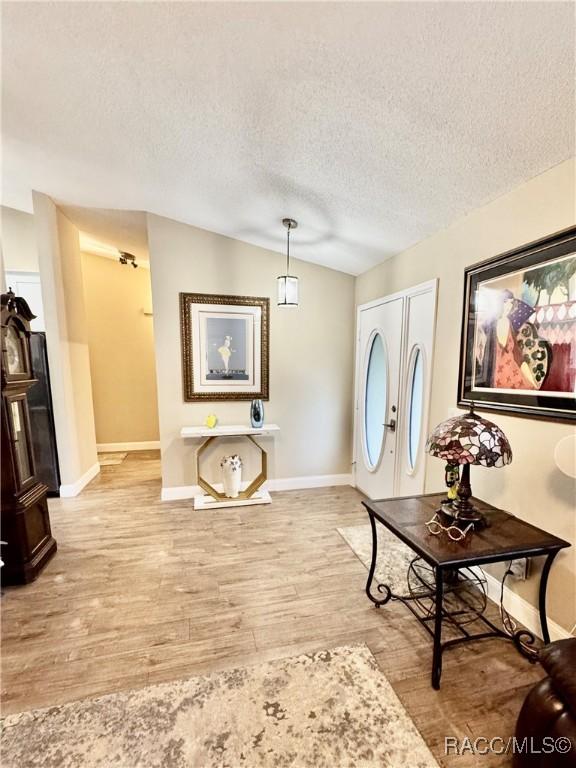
(143, 591)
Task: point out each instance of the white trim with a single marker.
(73, 489)
(415, 290)
(145, 445)
(521, 610)
(204, 502)
(178, 492)
(310, 481)
(228, 431)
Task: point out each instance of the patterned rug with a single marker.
(393, 558)
(332, 709)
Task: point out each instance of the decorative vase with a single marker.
(231, 467)
(257, 413)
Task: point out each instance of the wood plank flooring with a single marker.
(143, 591)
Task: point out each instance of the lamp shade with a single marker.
(470, 439)
(287, 291)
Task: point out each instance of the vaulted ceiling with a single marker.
(373, 124)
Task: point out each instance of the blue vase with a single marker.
(257, 413)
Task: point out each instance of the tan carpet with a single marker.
(332, 709)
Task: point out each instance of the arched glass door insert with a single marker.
(415, 401)
(375, 400)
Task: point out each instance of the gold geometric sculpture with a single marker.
(251, 489)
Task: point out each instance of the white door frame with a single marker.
(430, 286)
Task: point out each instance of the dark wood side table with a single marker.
(506, 538)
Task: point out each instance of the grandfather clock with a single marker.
(25, 521)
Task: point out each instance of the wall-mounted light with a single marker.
(127, 258)
(288, 284)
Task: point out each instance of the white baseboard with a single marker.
(178, 492)
(73, 489)
(146, 445)
(312, 481)
(521, 610)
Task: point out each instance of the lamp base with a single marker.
(466, 513)
(463, 514)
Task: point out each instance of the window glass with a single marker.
(375, 399)
(416, 400)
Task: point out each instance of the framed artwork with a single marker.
(518, 347)
(224, 346)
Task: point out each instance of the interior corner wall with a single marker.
(121, 341)
(532, 487)
(311, 351)
(67, 343)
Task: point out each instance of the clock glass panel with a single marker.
(20, 440)
(14, 356)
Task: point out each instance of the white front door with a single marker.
(378, 380)
(395, 345)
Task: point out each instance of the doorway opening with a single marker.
(95, 399)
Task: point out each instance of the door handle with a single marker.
(391, 425)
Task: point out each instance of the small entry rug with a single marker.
(331, 709)
(393, 558)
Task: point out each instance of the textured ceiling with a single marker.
(373, 124)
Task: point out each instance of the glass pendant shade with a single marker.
(287, 291)
(287, 284)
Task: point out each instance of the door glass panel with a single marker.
(416, 400)
(375, 400)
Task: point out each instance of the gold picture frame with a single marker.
(237, 369)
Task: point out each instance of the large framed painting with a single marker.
(224, 346)
(518, 349)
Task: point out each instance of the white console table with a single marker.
(251, 492)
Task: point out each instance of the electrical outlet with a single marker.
(520, 568)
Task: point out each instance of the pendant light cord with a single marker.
(288, 252)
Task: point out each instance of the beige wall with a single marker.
(311, 351)
(121, 344)
(531, 487)
(19, 241)
(67, 340)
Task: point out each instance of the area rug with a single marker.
(393, 557)
(331, 709)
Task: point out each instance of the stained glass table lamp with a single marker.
(469, 439)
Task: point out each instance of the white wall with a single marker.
(67, 343)
(532, 487)
(19, 241)
(311, 351)
(21, 268)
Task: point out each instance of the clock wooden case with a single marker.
(25, 521)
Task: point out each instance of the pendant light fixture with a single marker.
(288, 284)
